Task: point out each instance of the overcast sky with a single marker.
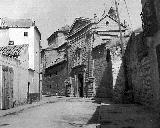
(53, 14)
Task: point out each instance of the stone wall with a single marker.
(53, 80)
(82, 41)
(134, 83)
(102, 71)
(139, 62)
(84, 44)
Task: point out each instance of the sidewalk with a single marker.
(127, 116)
(28, 106)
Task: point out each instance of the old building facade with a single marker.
(55, 63)
(19, 32)
(89, 56)
(15, 76)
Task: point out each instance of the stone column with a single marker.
(76, 84)
(71, 86)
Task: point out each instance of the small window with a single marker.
(11, 43)
(107, 23)
(25, 33)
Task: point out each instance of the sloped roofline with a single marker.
(36, 28)
(80, 18)
(18, 23)
(111, 19)
(58, 31)
(91, 22)
(54, 48)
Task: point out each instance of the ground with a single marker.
(127, 116)
(82, 112)
(70, 113)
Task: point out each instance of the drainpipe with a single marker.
(39, 72)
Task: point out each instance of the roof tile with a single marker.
(13, 51)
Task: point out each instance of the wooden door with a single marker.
(7, 87)
(11, 75)
(5, 95)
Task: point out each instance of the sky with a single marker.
(49, 15)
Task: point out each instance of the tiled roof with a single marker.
(13, 51)
(60, 58)
(7, 22)
(64, 30)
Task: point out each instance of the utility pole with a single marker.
(119, 24)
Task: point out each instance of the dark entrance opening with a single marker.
(158, 57)
(80, 85)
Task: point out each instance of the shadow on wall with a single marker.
(104, 89)
(103, 72)
(122, 90)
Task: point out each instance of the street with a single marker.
(70, 113)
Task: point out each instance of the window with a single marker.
(107, 23)
(25, 33)
(11, 43)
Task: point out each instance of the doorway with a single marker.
(7, 87)
(80, 85)
(158, 57)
